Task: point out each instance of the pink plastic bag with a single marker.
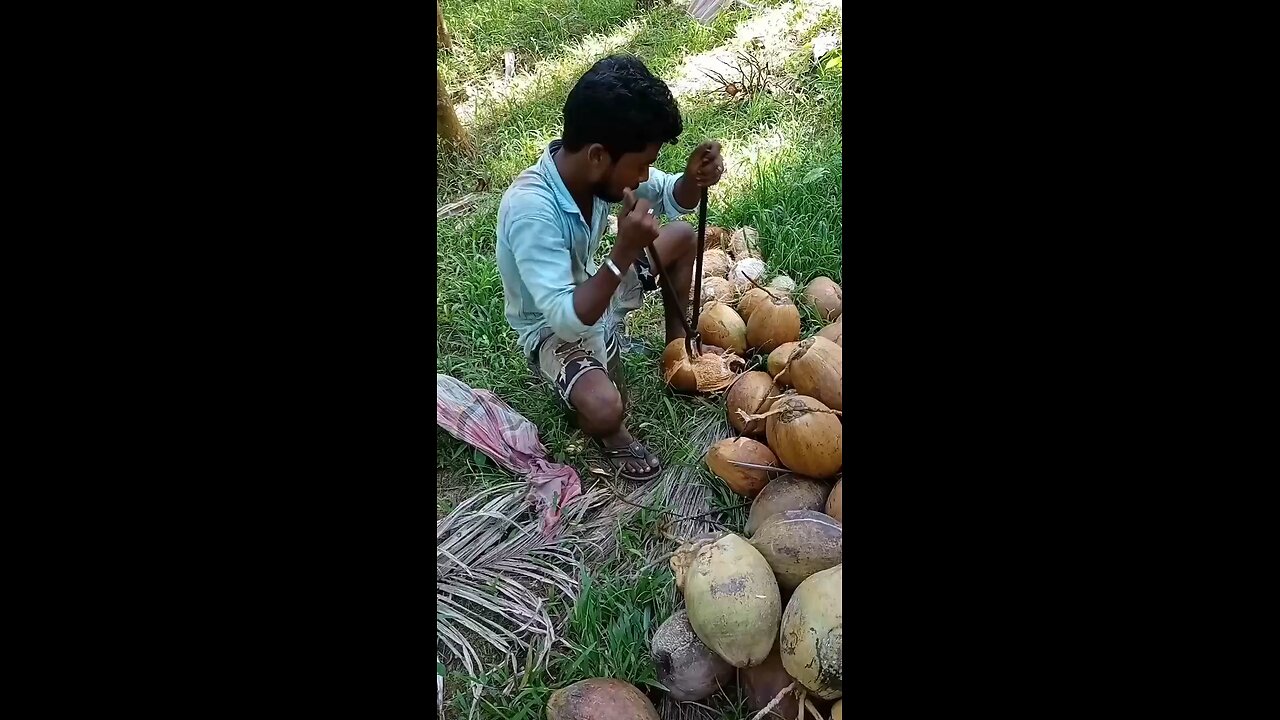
(484, 421)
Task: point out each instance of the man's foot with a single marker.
(630, 456)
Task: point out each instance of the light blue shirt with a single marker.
(546, 248)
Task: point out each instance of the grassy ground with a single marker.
(783, 156)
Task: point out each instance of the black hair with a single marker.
(621, 105)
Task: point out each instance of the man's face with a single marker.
(626, 173)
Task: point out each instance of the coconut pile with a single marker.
(762, 608)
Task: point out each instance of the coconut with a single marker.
(835, 501)
(805, 434)
(825, 297)
(746, 268)
(743, 243)
(749, 301)
(716, 236)
(600, 699)
(797, 544)
(837, 710)
(783, 284)
(682, 558)
(715, 289)
(834, 331)
(812, 634)
(733, 601)
(748, 393)
(719, 325)
(817, 369)
(747, 482)
(773, 322)
(763, 682)
(778, 360)
(786, 492)
(708, 372)
(715, 263)
(686, 666)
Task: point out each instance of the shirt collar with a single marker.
(547, 168)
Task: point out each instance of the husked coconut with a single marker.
(715, 289)
(743, 243)
(715, 263)
(744, 271)
(783, 284)
(812, 635)
(799, 543)
(600, 699)
(716, 236)
(786, 492)
(719, 325)
(686, 666)
(708, 372)
(733, 601)
(744, 481)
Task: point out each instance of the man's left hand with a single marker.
(705, 166)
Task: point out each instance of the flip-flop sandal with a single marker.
(636, 450)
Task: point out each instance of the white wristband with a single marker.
(608, 262)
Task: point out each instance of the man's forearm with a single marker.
(686, 193)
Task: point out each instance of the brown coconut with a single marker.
(715, 289)
(749, 393)
(749, 300)
(600, 699)
(773, 322)
(835, 501)
(778, 360)
(743, 243)
(805, 435)
(708, 372)
(715, 263)
(716, 236)
(763, 682)
(799, 543)
(786, 492)
(834, 332)
(816, 369)
(825, 297)
(719, 325)
(684, 664)
(747, 482)
(811, 638)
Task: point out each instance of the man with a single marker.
(565, 306)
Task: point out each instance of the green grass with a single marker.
(789, 190)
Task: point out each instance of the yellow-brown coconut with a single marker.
(812, 634)
(715, 263)
(799, 543)
(825, 297)
(834, 332)
(749, 300)
(733, 601)
(719, 325)
(744, 481)
(774, 321)
(778, 360)
(708, 372)
(749, 392)
(805, 436)
(786, 492)
(600, 699)
(817, 369)
(760, 684)
(835, 501)
(684, 664)
(837, 710)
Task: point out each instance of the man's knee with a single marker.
(597, 401)
(683, 233)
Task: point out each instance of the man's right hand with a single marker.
(637, 229)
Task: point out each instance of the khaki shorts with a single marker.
(552, 359)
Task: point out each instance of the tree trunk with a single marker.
(447, 125)
(442, 35)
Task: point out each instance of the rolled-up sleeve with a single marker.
(543, 261)
(660, 187)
